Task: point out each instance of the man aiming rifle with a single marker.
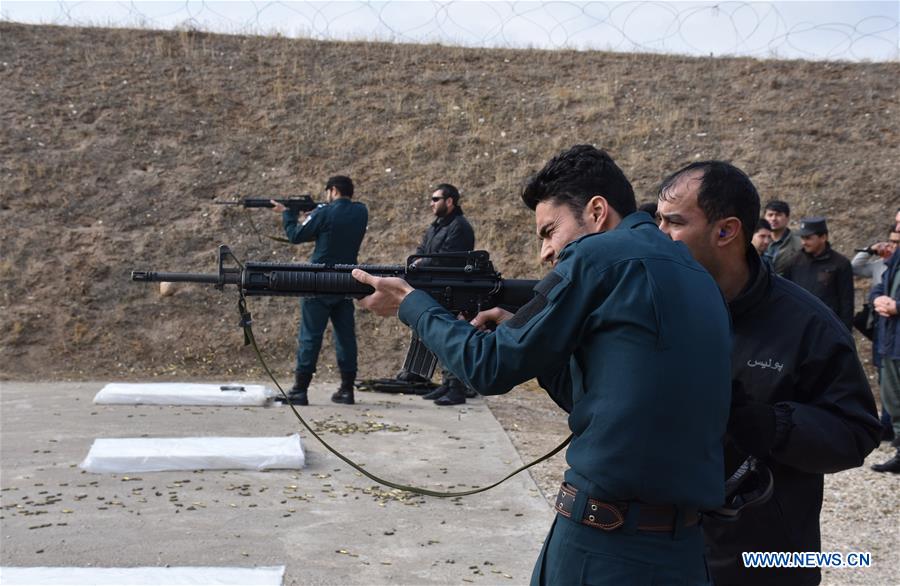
(642, 332)
(338, 229)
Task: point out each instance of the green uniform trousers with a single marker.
(577, 554)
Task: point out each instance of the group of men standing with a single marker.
(807, 258)
(659, 341)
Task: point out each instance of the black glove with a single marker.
(751, 423)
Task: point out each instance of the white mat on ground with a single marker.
(262, 576)
(194, 453)
(183, 394)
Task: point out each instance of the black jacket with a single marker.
(452, 233)
(792, 352)
(829, 277)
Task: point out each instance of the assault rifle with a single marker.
(301, 203)
(463, 282)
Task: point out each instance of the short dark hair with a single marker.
(763, 224)
(449, 192)
(343, 183)
(724, 191)
(574, 176)
(777, 205)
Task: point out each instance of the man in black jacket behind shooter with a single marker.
(450, 232)
(801, 399)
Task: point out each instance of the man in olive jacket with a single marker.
(785, 244)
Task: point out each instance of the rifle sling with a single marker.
(259, 234)
(249, 338)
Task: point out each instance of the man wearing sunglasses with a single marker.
(450, 232)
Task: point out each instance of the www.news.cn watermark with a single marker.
(806, 559)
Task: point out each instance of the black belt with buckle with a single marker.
(611, 516)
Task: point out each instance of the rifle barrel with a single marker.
(155, 277)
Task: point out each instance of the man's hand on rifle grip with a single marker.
(490, 318)
(389, 293)
(277, 206)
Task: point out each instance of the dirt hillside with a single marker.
(116, 142)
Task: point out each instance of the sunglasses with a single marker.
(438, 198)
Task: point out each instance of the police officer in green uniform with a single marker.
(642, 332)
(337, 228)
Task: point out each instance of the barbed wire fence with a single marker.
(804, 30)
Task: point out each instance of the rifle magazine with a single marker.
(419, 359)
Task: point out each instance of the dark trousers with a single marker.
(450, 381)
(314, 315)
(887, 424)
(577, 554)
(886, 421)
(890, 390)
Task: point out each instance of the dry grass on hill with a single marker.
(117, 141)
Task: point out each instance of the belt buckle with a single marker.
(595, 508)
(565, 493)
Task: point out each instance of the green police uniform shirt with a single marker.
(645, 333)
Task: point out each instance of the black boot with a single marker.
(436, 393)
(892, 465)
(344, 394)
(456, 395)
(297, 395)
(447, 381)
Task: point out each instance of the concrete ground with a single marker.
(326, 523)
